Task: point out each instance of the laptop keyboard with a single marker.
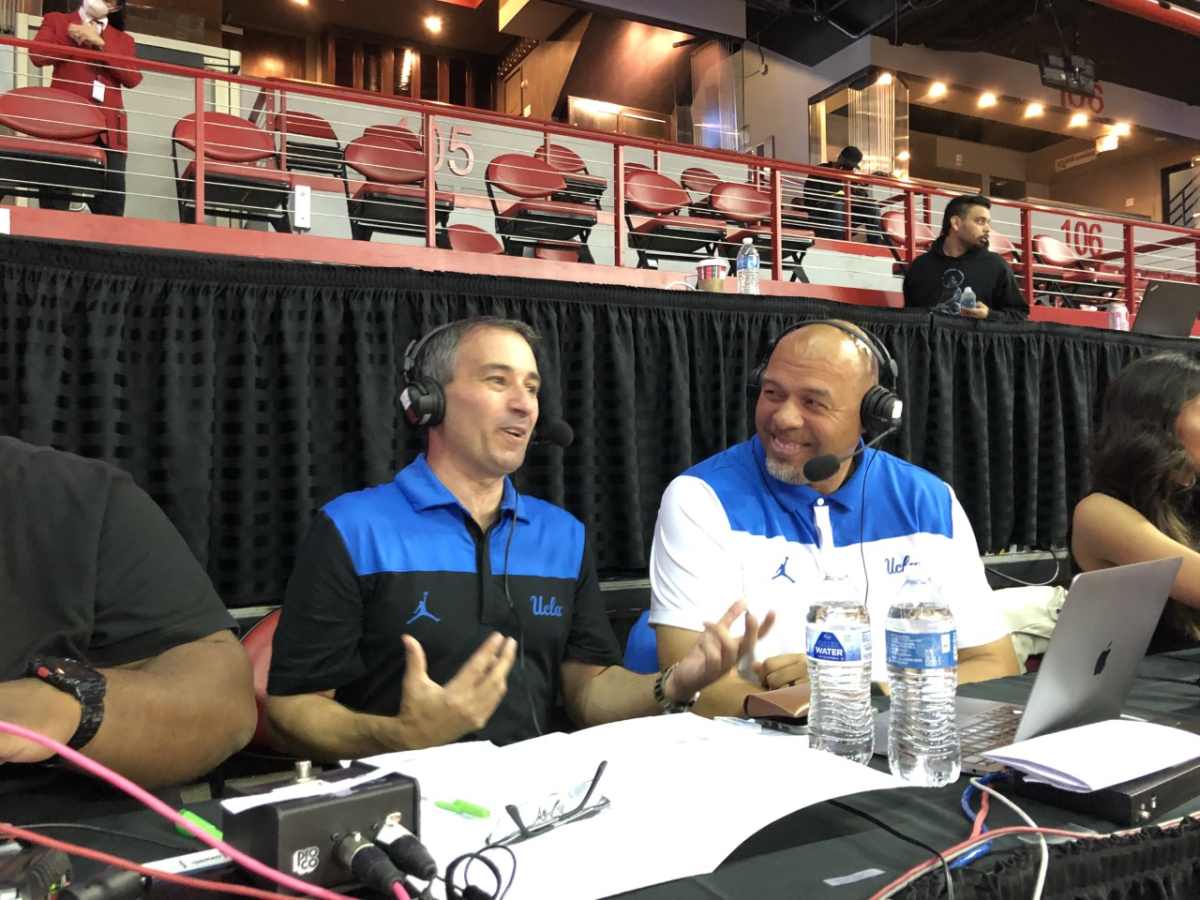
(987, 730)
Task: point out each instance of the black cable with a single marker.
(862, 533)
(879, 823)
(512, 611)
(128, 835)
(473, 892)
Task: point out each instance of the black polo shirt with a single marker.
(407, 558)
(90, 567)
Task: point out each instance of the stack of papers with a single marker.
(1097, 756)
(684, 793)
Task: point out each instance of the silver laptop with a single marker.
(1168, 308)
(1087, 671)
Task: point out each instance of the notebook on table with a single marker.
(1168, 308)
(1087, 671)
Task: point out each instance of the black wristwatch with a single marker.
(83, 683)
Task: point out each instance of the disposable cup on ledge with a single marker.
(710, 275)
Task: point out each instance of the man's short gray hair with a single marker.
(437, 357)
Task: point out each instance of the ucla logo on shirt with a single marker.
(542, 608)
(897, 566)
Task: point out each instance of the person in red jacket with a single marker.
(94, 26)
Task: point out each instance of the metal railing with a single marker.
(812, 223)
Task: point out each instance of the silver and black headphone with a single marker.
(881, 408)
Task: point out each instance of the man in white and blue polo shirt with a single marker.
(749, 523)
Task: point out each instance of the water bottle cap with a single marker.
(747, 240)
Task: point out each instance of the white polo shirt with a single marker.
(728, 529)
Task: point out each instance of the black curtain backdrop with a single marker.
(243, 395)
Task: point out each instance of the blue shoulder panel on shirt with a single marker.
(550, 544)
(383, 533)
(901, 499)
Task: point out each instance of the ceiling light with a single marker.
(904, 156)
(1107, 142)
(1121, 129)
(300, 2)
(884, 78)
(987, 99)
(1078, 120)
(433, 23)
(937, 90)
(1034, 109)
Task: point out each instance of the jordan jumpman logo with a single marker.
(782, 573)
(422, 611)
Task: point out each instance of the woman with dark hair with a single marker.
(1145, 458)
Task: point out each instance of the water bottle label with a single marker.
(839, 646)
(747, 262)
(922, 651)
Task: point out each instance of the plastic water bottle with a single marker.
(922, 664)
(968, 301)
(1118, 315)
(839, 671)
(747, 267)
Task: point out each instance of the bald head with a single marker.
(828, 343)
(812, 393)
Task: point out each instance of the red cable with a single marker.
(984, 803)
(43, 840)
(970, 842)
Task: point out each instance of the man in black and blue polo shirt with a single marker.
(443, 605)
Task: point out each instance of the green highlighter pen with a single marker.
(463, 808)
(203, 824)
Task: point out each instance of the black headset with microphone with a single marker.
(881, 409)
(422, 400)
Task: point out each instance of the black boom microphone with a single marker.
(824, 466)
(554, 431)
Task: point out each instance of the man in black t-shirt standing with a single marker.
(960, 259)
(444, 605)
(115, 642)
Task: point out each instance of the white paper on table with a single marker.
(1100, 755)
(684, 792)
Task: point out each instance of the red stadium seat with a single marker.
(395, 132)
(700, 183)
(747, 208)
(392, 197)
(581, 187)
(557, 252)
(56, 148)
(998, 243)
(469, 239)
(897, 234)
(1062, 273)
(665, 233)
(535, 218)
(237, 184)
(311, 144)
(257, 643)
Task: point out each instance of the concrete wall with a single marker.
(1122, 180)
(548, 67)
(776, 104)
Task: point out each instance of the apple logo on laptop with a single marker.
(1102, 659)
